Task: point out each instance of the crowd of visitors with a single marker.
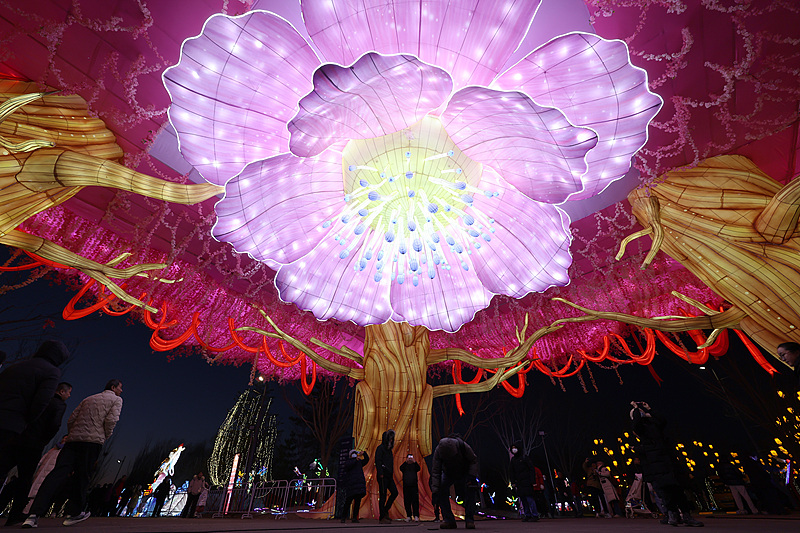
(33, 404)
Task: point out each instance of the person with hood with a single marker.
(410, 468)
(610, 490)
(354, 483)
(455, 464)
(25, 450)
(27, 387)
(658, 463)
(522, 477)
(88, 428)
(384, 466)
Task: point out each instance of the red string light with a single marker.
(158, 343)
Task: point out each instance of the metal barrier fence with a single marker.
(310, 496)
(278, 497)
(268, 497)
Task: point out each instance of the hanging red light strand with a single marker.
(158, 343)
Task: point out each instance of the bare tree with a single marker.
(447, 419)
(520, 423)
(327, 413)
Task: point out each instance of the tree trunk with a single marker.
(395, 395)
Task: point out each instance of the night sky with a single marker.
(186, 399)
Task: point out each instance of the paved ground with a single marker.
(724, 523)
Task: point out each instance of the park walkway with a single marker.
(723, 523)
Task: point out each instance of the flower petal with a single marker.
(446, 302)
(375, 96)
(534, 148)
(470, 39)
(234, 89)
(332, 287)
(275, 209)
(592, 81)
(528, 251)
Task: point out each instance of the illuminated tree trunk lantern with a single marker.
(394, 395)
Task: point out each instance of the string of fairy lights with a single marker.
(247, 429)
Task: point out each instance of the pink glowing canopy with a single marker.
(726, 75)
(406, 174)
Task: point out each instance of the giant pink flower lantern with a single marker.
(408, 175)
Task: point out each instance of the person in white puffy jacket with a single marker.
(89, 426)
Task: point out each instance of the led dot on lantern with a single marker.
(411, 193)
(373, 196)
(326, 224)
(412, 225)
(363, 182)
(409, 175)
(351, 168)
(363, 212)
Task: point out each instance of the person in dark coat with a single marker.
(455, 464)
(160, 495)
(384, 467)
(410, 468)
(732, 477)
(522, 476)
(434, 497)
(354, 483)
(26, 388)
(25, 450)
(658, 465)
